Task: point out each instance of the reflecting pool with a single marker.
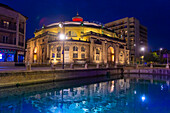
(128, 94)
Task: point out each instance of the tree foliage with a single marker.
(152, 57)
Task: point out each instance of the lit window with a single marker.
(53, 55)
(6, 24)
(58, 55)
(82, 49)
(71, 34)
(75, 48)
(97, 58)
(67, 48)
(75, 55)
(0, 56)
(97, 51)
(82, 55)
(59, 48)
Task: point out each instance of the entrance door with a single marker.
(110, 55)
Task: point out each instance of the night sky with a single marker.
(154, 14)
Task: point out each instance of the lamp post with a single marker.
(160, 54)
(167, 65)
(62, 37)
(142, 49)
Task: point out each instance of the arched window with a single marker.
(71, 34)
(97, 51)
(59, 48)
(82, 49)
(75, 48)
(67, 48)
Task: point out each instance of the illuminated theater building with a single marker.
(83, 42)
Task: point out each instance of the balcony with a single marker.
(20, 43)
(21, 30)
(8, 27)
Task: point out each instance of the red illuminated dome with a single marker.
(77, 18)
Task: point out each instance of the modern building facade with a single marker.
(135, 35)
(12, 35)
(83, 42)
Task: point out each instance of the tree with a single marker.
(152, 57)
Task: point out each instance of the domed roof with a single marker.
(77, 18)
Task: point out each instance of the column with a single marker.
(125, 57)
(48, 53)
(24, 32)
(91, 50)
(104, 56)
(17, 30)
(116, 54)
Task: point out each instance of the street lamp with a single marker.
(62, 37)
(167, 65)
(142, 49)
(160, 53)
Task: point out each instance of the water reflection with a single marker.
(130, 95)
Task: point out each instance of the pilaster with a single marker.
(91, 50)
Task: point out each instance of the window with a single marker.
(75, 48)
(4, 39)
(59, 48)
(53, 55)
(58, 55)
(10, 57)
(67, 48)
(97, 57)
(97, 51)
(71, 34)
(0, 56)
(82, 49)
(35, 44)
(6, 24)
(75, 55)
(14, 40)
(42, 50)
(82, 55)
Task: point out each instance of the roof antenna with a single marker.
(77, 13)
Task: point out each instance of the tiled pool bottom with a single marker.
(123, 95)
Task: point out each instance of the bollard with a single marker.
(107, 65)
(136, 66)
(86, 66)
(151, 66)
(97, 66)
(167, 66)
(28, 67)
(115, 66)
(72, 66)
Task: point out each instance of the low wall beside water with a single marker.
(9, 79)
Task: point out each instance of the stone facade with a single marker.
(84, 43)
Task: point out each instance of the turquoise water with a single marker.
(130, 94)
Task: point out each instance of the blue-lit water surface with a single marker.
(121, 95)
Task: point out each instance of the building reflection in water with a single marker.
(121, 95)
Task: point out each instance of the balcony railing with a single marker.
(8, 27)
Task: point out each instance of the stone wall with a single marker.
(34, 77)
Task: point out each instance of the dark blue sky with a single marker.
(154, 14)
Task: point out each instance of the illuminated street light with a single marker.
(143, 98)
(160, 49)
(142, 49)
(60, 25)
(62, 37)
